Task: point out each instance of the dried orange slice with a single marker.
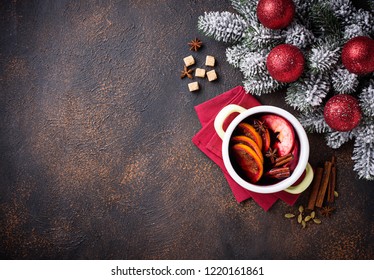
(249, 142)
(248, 161)
(249, 131)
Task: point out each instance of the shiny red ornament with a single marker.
(285, 63)
(275, 14)
(342, 112)
(358, 55)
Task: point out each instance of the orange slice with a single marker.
(248, 161)
(249, 131)
(249, 142)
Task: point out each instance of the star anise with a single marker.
(195, 44)
(259, 126)
(272, 154)
(186, 72)
(327, 211)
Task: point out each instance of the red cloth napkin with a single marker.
(210, 143)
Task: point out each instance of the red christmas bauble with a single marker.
(275, 14)
(285, 63)
(342, 112)
(358, 55)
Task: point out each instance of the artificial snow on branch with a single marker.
(307, 93)
(314, 121)
(367, 99)
(344, 81)
(222, 26)
(363, 152)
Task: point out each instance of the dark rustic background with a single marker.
(96, 158)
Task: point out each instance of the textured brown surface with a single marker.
(96, 158)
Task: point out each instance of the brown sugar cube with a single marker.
(199, 72)
(194, 86)
(210, 60)
(189, 60)
(212, 75)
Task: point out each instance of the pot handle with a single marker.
(223, 114)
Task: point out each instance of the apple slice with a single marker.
(295, 152)
(265, 140)
(284, 130)
(248, 161)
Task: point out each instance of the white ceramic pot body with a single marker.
(299, 131)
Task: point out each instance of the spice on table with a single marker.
(186, 72)
(315, 188)
(324, 184)
(195, 44)
(332, 181)
(326, 211)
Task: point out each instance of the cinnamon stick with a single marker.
(283, 160)
(315, 188)
(279, 172)
(324, 184)
(332, 181)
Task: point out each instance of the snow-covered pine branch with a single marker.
(335, 139)
(299, 36)
(308, 93)
(341, 8)
(314, 121)
(344, 81)
(222, 26)
(303, 10)
(363, 152)
(253, 64)
(359, 23)
(323, 57)
(247, 8)
(259, 37)
(236, 53)
(324, 22)
(261, 84)
(366, 98)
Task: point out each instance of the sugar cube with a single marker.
(211, 75)
(193, 86)
(189, 60)
(199, 72)
(210, 60)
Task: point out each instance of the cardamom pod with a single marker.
(299, 218)
(289, 215)
(336, 194)
(313, 214)
(307, 218)
(317, 221)
(303, 223)
(301, 209)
